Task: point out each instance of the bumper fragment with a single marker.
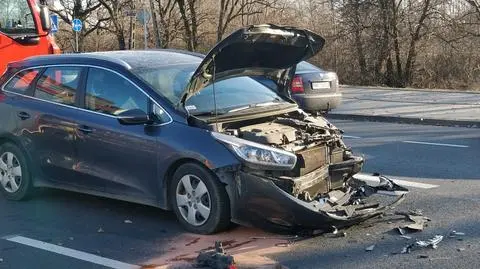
(262, 203)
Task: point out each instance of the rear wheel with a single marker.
(199, 200)
(15, 180)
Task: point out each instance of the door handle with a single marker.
(84, 129)
(23, 115)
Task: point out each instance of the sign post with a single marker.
(76, 27)
(144, 17)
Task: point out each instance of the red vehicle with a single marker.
(24, 30)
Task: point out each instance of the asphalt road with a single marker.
(452, 164)
(127, 235)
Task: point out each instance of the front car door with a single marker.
(123, 158)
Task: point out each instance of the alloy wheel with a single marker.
(10, 172)
(193, 200)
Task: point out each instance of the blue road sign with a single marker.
(54, 19)
(77, 25)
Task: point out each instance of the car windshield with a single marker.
(232, 95)
(306, 66)
(16, 17)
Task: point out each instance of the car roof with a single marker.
(128, 59)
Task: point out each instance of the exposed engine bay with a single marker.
(324, 162)
(325, 166)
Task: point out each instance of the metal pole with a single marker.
(76, 41)
(145, 28)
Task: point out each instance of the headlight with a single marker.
(257, 155)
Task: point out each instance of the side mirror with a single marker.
(133, 117)
(45, 18)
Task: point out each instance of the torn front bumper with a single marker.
(260, 202)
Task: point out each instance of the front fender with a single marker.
(179, 143)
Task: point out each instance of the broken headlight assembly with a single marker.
(256, 155)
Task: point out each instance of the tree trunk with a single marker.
(221, 17)
(186, 24)
(194, 23)
(357, 29)
(412, 53)
(396, 46)
(158, 41)
(122, 45)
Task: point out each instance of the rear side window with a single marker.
(59, 84)
(22, 81)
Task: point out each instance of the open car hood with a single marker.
(257, 50)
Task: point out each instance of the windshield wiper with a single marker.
(208, 113)
(271, 103)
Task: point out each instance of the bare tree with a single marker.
(83, 10)
(170, 21)
(116, 10)
(229, 10)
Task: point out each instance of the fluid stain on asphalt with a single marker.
(194, 241)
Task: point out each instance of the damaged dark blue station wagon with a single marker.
(181, 132)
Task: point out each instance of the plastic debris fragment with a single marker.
(433, 243)
(370, 248)
(455, 233)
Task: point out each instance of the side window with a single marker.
(21, 81)
(16, 17)
(59, 84)
(109, 93)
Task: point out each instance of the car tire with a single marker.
(192, 190)
(15, 178)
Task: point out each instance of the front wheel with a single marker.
(15, 179)
(199, 199)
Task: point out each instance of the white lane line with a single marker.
(436, 144)
(351, 136)
(374, 180)
(80, 255)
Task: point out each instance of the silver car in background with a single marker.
(315, 89)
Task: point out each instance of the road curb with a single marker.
(407, 120)
(467, 91)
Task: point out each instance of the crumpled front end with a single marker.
(262, 202)
(316, 191)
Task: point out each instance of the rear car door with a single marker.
(47, 113)
(121, 157)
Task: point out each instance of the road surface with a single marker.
(57, 229)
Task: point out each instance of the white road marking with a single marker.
(80, 255)
(436, 144)
(351, 136)
(374, 180)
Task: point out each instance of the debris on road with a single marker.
(419, 222)
(460, 249)
(406, 237)
(1, 260)
(422, 256)
(335, 233)
(216, 258)
(70, 238)
(455, 234)
(100, 230)
(370, 248)
(433, 243)
(128, 221)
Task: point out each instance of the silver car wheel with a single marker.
(193, 200)
(10, 172)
